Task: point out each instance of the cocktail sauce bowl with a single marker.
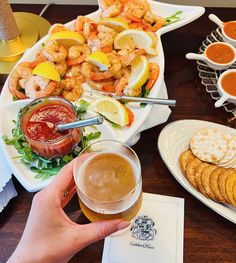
(223, 26)
(209, 61)
(65, 142)
(225, 96)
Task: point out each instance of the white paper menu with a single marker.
(154, 236)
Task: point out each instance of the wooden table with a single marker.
(208, 237)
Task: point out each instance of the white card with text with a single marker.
(154, 236)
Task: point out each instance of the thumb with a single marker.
(99, 230)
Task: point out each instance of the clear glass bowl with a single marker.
(58, 147)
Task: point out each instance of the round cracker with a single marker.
(230, 154)
(221, 182)
(200, 184)
(214, 184)
(209, 145)
(234, 191)
(190, 171)
(198, 173)
(231, 180)
(205, 176)
(231, 164)
(184, 158)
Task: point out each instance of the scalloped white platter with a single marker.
(10, 108)
(172, 141)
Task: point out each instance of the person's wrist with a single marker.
(26, 255)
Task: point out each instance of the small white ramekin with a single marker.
(224, 95)
(220, 23)
(210, 63)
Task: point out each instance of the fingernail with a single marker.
(123, 224)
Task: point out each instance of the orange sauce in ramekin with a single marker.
(220, 53)
(228, 83)
(230, 29)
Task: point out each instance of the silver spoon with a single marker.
(97, 120)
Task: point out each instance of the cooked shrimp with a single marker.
(101, 75)
(104, 4)
(103, 40)
(54, 51)
(139, 25)
(102, 86)
(115, 63)
(74, 71)
(72, 89)
(127, 56)
(153, 75)
(97, 75)
(111, 11)
(39, 59)
(91, 72)
(130, 91)
(73, 94)
(106, 30)
(57, 28)
(135, 9)
(37, 87)
(155, 21)
(17, 79)
(61, 67)
(87, 69)
(85, 26)
(120, 85)
(77, 54)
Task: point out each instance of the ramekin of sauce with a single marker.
(228, 29)
(38, 122)
(218, 55)
(227, 87)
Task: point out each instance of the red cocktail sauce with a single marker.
(220, 53)
(41, 125)
(38, 123)
(228, 83)
(230, 29)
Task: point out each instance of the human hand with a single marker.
(50, 235)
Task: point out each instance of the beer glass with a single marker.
(108, 182)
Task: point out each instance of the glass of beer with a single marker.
(108, 181)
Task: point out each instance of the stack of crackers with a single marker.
(210, 164)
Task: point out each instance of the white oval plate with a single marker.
(172, 141)
(10, 108)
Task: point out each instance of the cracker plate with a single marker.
(172, 141)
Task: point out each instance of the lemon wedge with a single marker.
(68, 38)
(46, 70)
(111, 109)
(116, 23)
(99, 59)
(137, 38)
(139, 75)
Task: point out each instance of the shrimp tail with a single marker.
(77, 61)
(154, 73)
(120, 86)
(16, 93)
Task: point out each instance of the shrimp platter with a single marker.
(115, 50)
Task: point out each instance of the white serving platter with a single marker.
(172, 141)
(9, 108)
